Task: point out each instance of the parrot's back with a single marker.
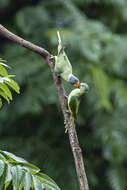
(63, 65)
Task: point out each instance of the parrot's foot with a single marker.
(66, 130)
(52, 58)
(58, 75)
(65, 96)
(65, 126)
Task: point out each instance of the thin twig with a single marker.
(6, 33)
(77, 153)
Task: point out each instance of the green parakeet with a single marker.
(63, 66)
(74, 99)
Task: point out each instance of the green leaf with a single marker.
(44, 187)
(47, 178)
(21, 186)
(17, 175)
(3, 177)
(2, 157)
(47, 181)
(3, 79)
(37, 184)
(3, 71)
(0, 103)
(14, 85)
(2, 153)
(15, 160)
(27, 181)
(12, 156)
(34, 169)
(26, 165)
(2, 166)
(6, 90)
(5, 65)
(10, 76)
(8, 176)
(4, 95)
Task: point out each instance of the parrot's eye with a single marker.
(84, 87)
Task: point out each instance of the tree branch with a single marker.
(76, 150)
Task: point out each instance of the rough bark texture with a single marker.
(76, 150)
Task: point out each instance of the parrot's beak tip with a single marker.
(77, 84)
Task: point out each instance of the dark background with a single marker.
(95, 37)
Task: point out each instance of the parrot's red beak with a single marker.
(77, 84)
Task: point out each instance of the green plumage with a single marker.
(74, 99)
(62, 63)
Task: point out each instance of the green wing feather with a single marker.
(73, 103)
(62, 63)
(60, 46)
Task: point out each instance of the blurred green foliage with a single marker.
(6, 81)
(95, 36)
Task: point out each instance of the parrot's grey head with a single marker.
(74, 80)
(84, 87)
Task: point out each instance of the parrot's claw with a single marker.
(66, 130)
(65, 96)
(65, 126)
(58, 75)
(51, 58)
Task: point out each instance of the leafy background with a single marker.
(95, 36)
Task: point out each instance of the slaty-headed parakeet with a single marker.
(74, 99)
(63, 66)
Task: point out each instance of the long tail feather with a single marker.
(60, 46)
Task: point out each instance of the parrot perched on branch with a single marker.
(63, 66)
(74, 100)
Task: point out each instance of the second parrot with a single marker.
(74, 100)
